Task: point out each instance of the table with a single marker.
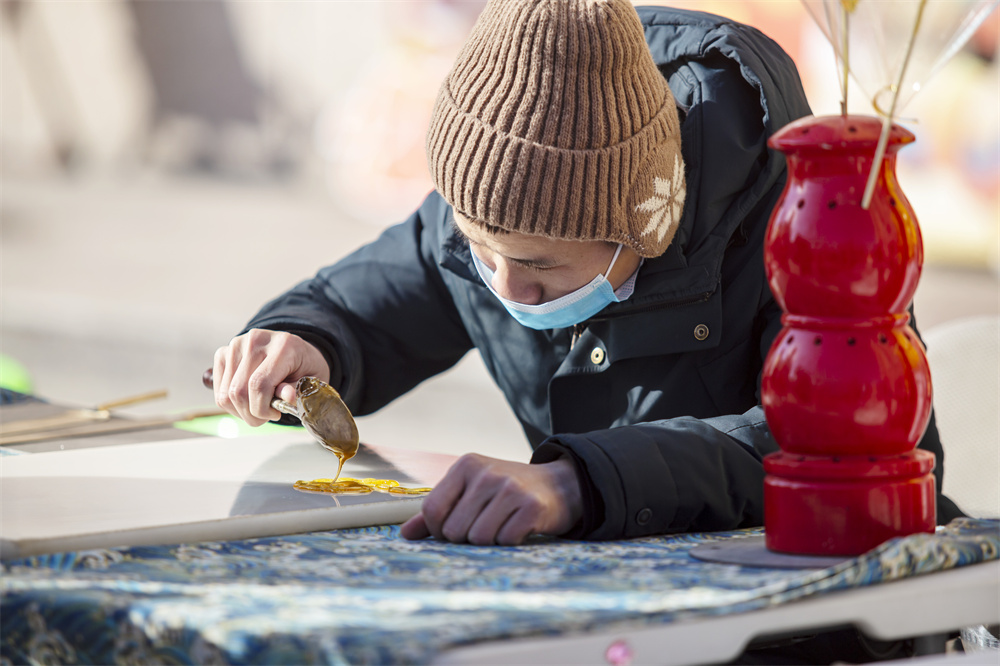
(166, 485)
(367, 596)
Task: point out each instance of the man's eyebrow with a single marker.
(533, 263)
(530, 263)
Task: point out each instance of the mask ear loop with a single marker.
(607, 273)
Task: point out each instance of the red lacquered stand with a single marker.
(846, 387)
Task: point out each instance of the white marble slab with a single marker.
(194, 490)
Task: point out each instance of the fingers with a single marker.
(261, 387)
(498, 525)
(475, 508)
(415, 528)
(258, 364)
(438, 505)
(240, 392)
(485, 501)
(227, 360)
(286, 392)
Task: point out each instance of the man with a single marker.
(603, 186)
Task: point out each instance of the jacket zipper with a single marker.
(578, 330)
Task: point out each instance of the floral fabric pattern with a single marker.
(367, 596)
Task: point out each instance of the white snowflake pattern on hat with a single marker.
(666, 204)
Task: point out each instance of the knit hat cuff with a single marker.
(631, 192)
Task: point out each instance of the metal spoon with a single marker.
(323, 414)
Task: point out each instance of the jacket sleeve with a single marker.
(382, 316)
(682, 475)
(679, 475)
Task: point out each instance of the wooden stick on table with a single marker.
(104, 427)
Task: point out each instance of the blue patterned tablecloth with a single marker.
(367, 596)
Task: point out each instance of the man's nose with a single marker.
(515, 284)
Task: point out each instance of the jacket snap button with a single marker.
(597, 356)
(643, 516)
(700, 332)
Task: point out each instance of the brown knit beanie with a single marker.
(554, 121)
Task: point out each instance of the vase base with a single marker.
(811, 507)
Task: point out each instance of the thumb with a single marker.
(286, 392)
(415, 528)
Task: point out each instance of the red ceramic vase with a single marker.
(832, 388)
(827, 256)
(846, 387)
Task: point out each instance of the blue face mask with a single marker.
(564, 311)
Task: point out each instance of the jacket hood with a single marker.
(735, 87)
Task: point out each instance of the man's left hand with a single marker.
(486, 501)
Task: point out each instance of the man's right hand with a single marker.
(257, 366)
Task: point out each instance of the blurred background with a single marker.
(168, 166)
